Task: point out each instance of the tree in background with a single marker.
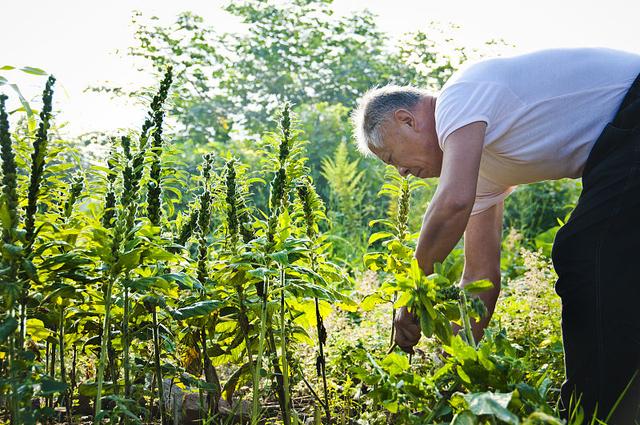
(227, 85)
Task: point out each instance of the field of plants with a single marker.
(180, 273)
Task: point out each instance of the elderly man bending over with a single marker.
(502, 122)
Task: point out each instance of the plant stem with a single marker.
(322, 362)
(125, 339)
(286, 414)
(464, 315)
(261, 341)
(63, 374)
(159, 381)
(103, 347)
(15, 405)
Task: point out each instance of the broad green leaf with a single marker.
(403, 300)
(464, 418)
(543, 418)
(33, 71)
(5, 218)
(377, 236)
(391, 405)
(7, 327)
(90, 389)
(200, 308)
(478, 286)
(31, 119)
(49, 386)
(443, 331)
(370, 301)
(37, 330)
(280, 257)
(494, 404)
(395, 363)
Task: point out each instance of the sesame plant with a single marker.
(127, 279)
(134, 291)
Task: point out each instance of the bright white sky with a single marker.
(84, 42)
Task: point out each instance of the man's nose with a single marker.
(403, 171)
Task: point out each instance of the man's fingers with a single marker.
(407, 338)
(408, 349)
(407, 330)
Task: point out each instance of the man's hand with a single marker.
(407, 330)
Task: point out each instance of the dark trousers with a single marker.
(596, 255)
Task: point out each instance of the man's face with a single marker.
(410, 145)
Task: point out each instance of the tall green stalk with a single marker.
(9, 173)
(106, 325)
(255, 405)
(151, 304)
(286, 414)
(310, 202)
(277, 197)
(156, 356)
(125, 338)
(154, 187)
(38, 156)
(466, 322)
(10, 195)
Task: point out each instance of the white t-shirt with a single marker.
(544, 111)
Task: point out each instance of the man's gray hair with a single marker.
(375, 108)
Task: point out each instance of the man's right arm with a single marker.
(482, 240)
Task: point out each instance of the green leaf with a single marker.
(463, 375)
(200, 308)
(12, 251)
(230, 386)
(395, 363)
(391, 405)
(403, 300)
(426, 324)
(90, 389)
(464, 418)
(377, 236)
(478, 286)
(443, 331)
(7, 68)
(7, 328)
(49, 386)
(494, 404)
(260, 272)
(129, 260)
(31, 120)
(33, 71)
(370, 301)
(280, 257)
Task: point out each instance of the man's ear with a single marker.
(405, 117)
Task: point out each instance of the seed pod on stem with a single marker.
(9, 172)
(109, 210)
(204, 219)
(38, 161)
(404, 199)
(75, 188)
(154, 188)
(232, 209)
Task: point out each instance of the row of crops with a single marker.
(130, 287)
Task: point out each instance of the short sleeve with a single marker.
(464, 102)
(489, 194)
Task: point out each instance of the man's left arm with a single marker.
(447, 216)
